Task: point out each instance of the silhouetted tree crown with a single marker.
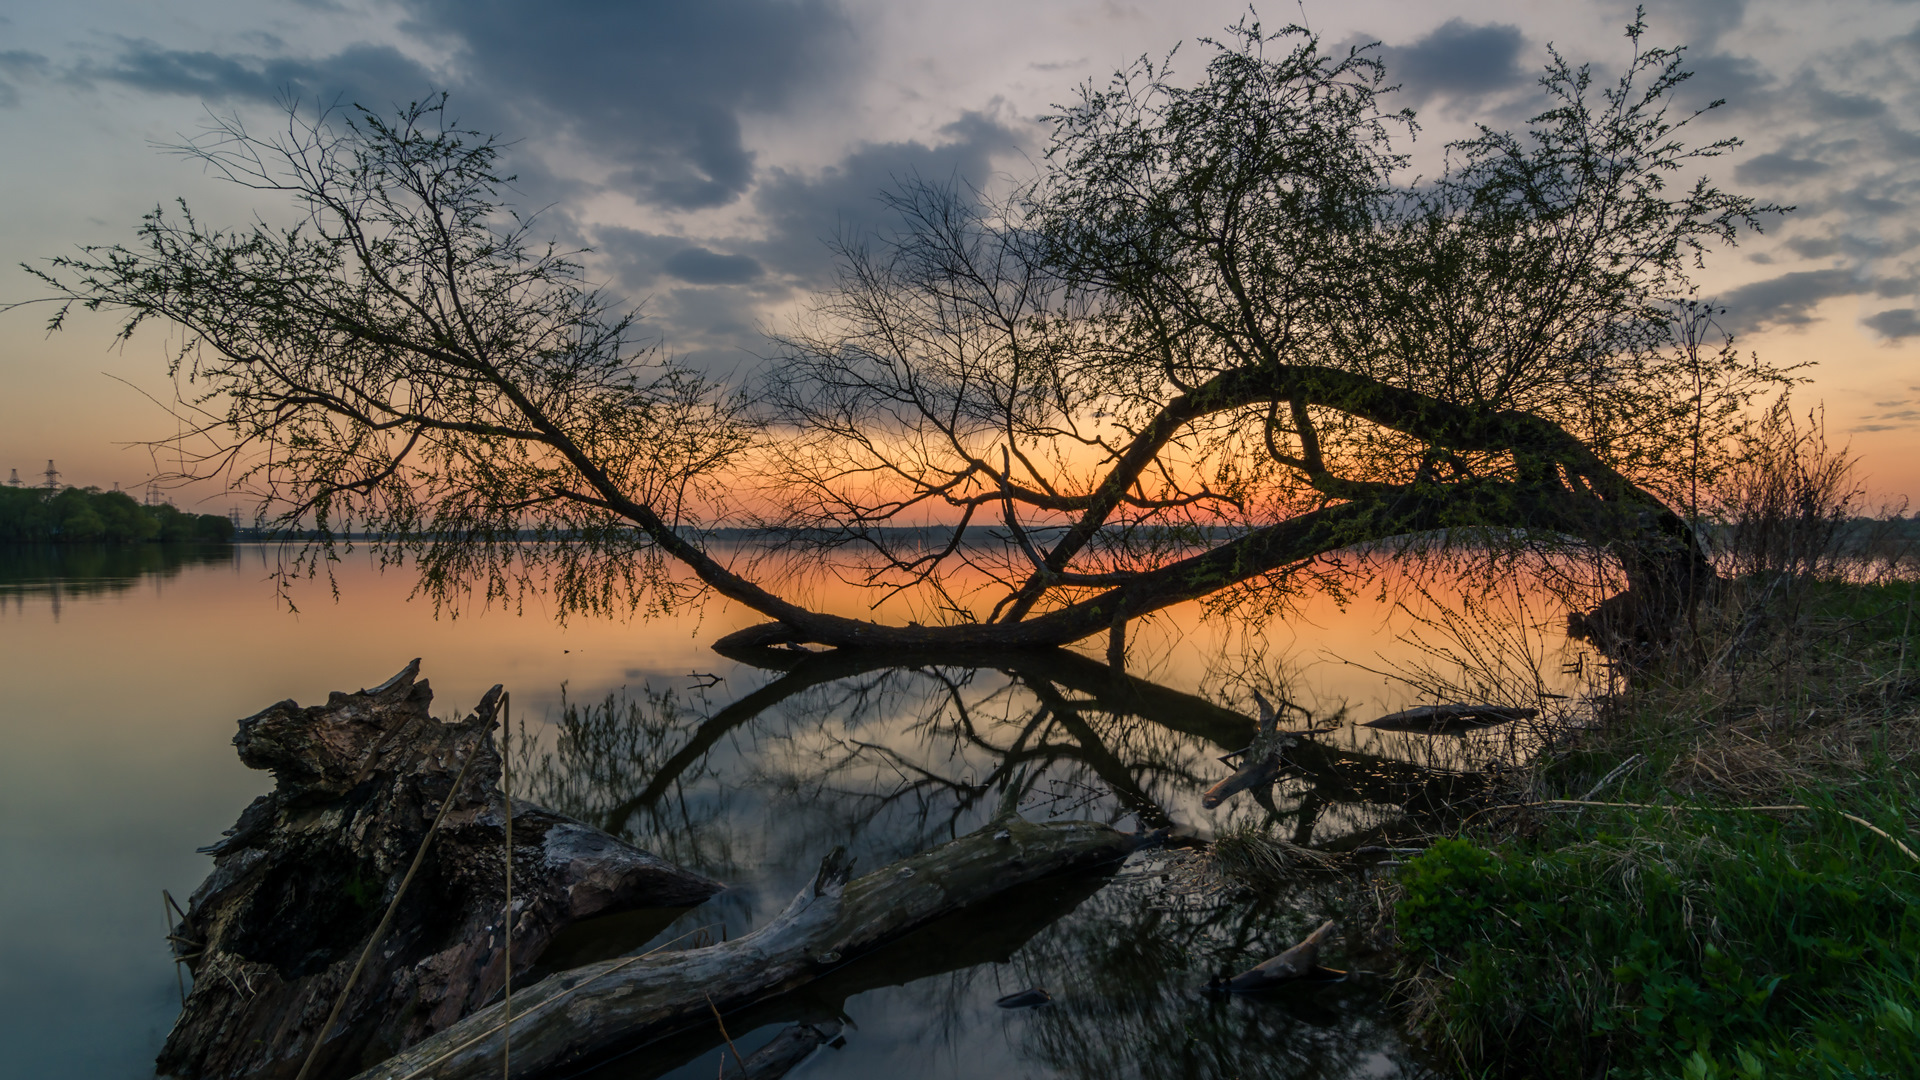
(1218, 336)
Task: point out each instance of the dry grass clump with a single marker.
(1251, 856)
(1772, 752)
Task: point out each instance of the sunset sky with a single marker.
(704, 150)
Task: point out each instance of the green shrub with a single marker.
(1661, 943)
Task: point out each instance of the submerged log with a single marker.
(586, 1013)
(303, 879)
(1450, 718)
(1260, 762)
(1254, 773)
(795, 1044)
(1301, 960)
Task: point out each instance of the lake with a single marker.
(125, 671)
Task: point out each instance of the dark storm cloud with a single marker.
(1895, 325)
(656, 86)
(1458, 60)
(1830, 105)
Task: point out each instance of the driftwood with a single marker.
(589, 1012)
(1260, 762)
(1301, 960)
(1451, 718)
(303, 879)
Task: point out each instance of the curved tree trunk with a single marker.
(1657, 550)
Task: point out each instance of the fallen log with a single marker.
(1451, 718)
(1301, 960)
(991, 932)
(306, 875)
(590, 1012)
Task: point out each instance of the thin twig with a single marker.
(166, 913)
(506, 797)
(386, 920)
(737, 1059)
(1614, 775)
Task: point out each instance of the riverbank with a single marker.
(1718, 881)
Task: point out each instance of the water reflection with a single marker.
(58, 571)
(891, 754)
(119, 720)
(901, 752)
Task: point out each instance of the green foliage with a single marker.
(1707, 944)
(1448, 891)
(92, 516)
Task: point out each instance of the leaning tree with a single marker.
(1221, 334)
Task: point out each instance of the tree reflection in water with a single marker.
(88, 570)
(892, 754)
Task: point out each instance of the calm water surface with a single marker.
(122, 673)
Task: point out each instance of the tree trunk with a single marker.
(581, 1015)
(304, 877)
(1664, 567)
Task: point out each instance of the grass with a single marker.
(1686, 938)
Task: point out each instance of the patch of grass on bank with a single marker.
(1687, 938)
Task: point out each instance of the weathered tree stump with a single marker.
(305, 875)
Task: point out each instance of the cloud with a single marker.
(805, 210)
(1458, 59)
(1700, 22)
(373, 75)
(1787, 300)
(656, 86)
(1777, 167)
(18, 64)
(698, 266)
(1740, 81)
(710, 296)
(1826, 104)
(1896, 324)
(636, 258)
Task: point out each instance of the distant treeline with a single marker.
(92, 516)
